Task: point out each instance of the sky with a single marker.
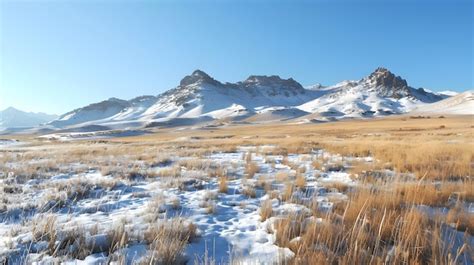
(59, 55)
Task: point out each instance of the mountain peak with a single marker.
(384, 78)
(200, 73)
(10, 109)
(381, 70)
(387, 83)
(198, 76)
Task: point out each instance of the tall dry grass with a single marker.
(376, 226)
(431, 160)
(167, 241)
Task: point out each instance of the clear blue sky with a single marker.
(60, 55)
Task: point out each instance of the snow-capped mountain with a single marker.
(14, 118)
(460, 104)
(198, 97)
(201, 98)
(380, 93)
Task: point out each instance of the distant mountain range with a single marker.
(200, 98)
(14, 118)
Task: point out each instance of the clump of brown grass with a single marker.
(223, 185)
(45, 229)
(175, 203)
(172, 172)
(282, 176)
(287, 229)
(263, 183)
(156, 207)
(461, 219)
(63, 193)
(251, 169)
(266, 210)
(337, 185)
(118, 237)
(209, 206)
(217, 172)
(317, 164)
(288, 192)
(249, 191)
(167, 241)
(208, 202)
(248, 158)
(301, 170)
(338, 166)
(195, 164)
(300, 181)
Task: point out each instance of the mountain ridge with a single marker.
(14, 118)
(201, 98)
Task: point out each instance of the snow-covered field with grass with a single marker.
(244, 204)
(228, 219)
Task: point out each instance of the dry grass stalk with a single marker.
(223, 185)
(266, 210)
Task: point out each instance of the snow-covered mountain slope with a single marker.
(109, 110)
(448, 93)
(460, 104)
(380, 93)
(14, 118)
(200, 95)
(200, 98)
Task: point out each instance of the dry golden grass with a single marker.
(436, 194)
(217, 172)
(251, 169)
(317, 164)
(378, 215)
(209, 206)
(461, 219)
(410, 145)
(266, 210)
(172, 172)
(288, 191)
(363, 232)
(263, 183)
(337, 185)
(282, 176)
(415, 145)
(118, 238)
(44, 229)
(249, 191)
(300, 181)
(168, 240)
(223, 186)
(432, 160)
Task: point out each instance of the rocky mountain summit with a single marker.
(387, 84)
